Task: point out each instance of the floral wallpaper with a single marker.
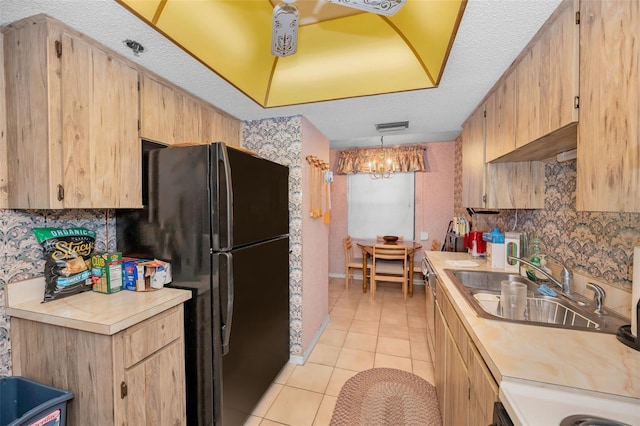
(21, 255)
(280, 140)
(598, 244)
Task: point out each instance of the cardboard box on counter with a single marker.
(145, 274)
(106, 272)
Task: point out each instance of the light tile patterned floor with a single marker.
(361, 334)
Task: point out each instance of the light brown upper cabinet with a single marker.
(167, 115)
(608, 164)
(500, 119)
(473, 165)
(515, 185)
(497, 185)
(170, 116)
(217, 127)
(547, 79)
(72, 120)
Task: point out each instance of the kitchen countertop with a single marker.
(90, 311)
(582, 361)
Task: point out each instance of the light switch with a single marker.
(424, 236)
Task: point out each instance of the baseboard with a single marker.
(301, 360)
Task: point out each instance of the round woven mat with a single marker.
(386, 396)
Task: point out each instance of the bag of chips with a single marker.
(67, 253)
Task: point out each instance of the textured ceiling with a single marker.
(490, 36)
(340, 54)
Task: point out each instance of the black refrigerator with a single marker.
(220, 216)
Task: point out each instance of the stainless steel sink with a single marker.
(542, 309)
(488, 280)
(481, 289)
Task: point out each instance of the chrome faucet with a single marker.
(598, 297)
(567, 276)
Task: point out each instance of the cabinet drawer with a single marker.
(144, 339)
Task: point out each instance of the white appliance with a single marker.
(536, 404)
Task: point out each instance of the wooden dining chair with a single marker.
(390, 264)
(351, 261)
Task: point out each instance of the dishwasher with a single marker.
(500, 415)
(430, 283)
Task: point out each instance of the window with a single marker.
(381, 207)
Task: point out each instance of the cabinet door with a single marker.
(211, 122)
(233, 132)
(483, 390)
(167, 115)
(439, 360)
(33, 116)
(456, 403)
(217, 127)
(500, 119)
(547, 79)
(101, 148)
(608, 137)
(473, 166)
(155, 388)
(517, 185)
(187, 120)
(158, 111)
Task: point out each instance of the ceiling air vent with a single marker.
(389, 127)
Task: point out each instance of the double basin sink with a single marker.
(481, 289)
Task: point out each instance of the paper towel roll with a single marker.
(635, 291)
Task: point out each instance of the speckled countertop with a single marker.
(90, 311)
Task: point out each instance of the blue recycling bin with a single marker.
(24, 402)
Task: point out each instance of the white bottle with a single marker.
(495, 249)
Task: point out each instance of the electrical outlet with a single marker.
(424, 236)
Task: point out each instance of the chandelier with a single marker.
(381, 166)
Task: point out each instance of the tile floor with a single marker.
(361, 334)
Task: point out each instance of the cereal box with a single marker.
(145, 274)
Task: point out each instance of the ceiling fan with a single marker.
(284, 41)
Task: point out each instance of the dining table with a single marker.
(367, 253)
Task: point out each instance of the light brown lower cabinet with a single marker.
(466, 389)
(134, 377)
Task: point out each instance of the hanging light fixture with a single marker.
(381, 166)
(284, 39)
(380, 7)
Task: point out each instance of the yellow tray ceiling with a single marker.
(342, 52)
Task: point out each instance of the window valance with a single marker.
(403, 158)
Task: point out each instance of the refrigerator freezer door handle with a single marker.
(229, 195)
(226, 328)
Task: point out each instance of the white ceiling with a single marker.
(492, 33)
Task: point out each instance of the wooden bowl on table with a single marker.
(390, 238)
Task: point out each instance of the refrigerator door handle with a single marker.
(229, 196)
(226, 328)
